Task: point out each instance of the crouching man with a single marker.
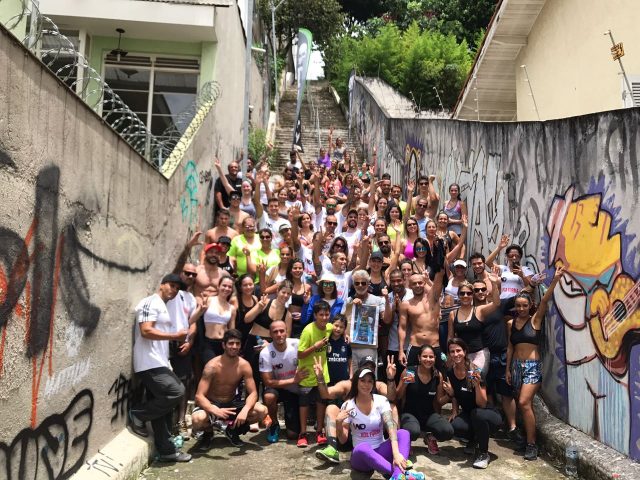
(280, 375)
(219, 396)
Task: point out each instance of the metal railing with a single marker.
(58, 53)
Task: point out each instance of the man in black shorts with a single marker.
(219, 396)
(280, 375)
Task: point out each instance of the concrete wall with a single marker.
(87, 229)
(568, 191)
(569, 60)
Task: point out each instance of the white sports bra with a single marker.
(211, 316)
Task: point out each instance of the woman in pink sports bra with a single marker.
(412, 234)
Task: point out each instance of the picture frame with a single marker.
(364, 325)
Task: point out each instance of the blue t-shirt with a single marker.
(338, 357)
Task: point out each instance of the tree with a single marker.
(362, 10)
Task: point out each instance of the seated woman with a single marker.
(366, 415)
(423, 395)
(470, 416)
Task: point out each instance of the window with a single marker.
(633, 99)
(62, 58)
(157, 89)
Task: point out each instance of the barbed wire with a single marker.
(58, 53)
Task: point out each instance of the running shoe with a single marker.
(409, 464)
(273, 433)
(302, 441)
(175, 457)
(233, 436)
(409, 475)
(204, 442)
(321, 439)
(328, 453)
(481, 461)
(432, 444)
(138, 426)
(531, 452)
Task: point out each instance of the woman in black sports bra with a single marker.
(300, 295)
(244, 301)
(266, 311)
(467, 322)
(524, 371)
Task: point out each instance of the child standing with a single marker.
(338, 352)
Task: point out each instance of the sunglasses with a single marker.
(332, 223)
(265, 237)
(331, 205)
(190, 274)
(479, 290)
(360, 284)
(465, 294)
(327, 284)
(412, 224)
(423, 183)
(384, 243)
(421, 249)
(422, 205)
(339, 245)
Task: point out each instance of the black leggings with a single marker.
(435, 424)
(211, 348)
(477, 426)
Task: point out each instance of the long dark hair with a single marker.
(239, 283)
(289, 273)
(353, 391)
(465, 348)
(422, 349)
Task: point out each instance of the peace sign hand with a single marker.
(318, 369)
(391, 367)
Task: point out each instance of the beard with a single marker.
(385, 249)
(352, 223)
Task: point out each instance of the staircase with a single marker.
(318, 94)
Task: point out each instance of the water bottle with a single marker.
(571, 459)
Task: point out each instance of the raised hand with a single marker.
(343, 415)
(195, 240)
(504, 242)
(391, 367)
(264, 301)
(412, 185)
(465, 221)
(217, 164)
(432, 178)
(318, 369)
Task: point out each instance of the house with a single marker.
(546, 59)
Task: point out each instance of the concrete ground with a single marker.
(259, 460)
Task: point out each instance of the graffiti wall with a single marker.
(87, 229)
(568, 192)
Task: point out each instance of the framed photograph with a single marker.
(364, 325)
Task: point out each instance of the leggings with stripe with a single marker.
(364, 458)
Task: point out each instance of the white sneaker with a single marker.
(482, 461)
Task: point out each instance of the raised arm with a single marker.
(504, 241)
(256, 195)
(483, 310)
(455, 251)
(223, 178)
(186, 252)
(536, 321)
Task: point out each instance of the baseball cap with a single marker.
(209, 246)
(368, 360)
(376, 256)
(460, 263)
(173, 278)
(224, 239)
(365, 371)
(284, 225)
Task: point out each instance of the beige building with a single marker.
(546, 59)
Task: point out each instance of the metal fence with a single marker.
(58, 53)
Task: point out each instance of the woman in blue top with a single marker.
(328, 293)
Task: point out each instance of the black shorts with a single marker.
(236, 403)
(309, 396)
(496, 380)
(291, 403)
(413, 359)
(211, 348)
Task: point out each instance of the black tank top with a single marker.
(470, 332)
(527, 334)
(297, 300)
(463, 391)
(419, 396)
(264, 320)
(242, 312)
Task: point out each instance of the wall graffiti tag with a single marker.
(189, 200)
(121, 388)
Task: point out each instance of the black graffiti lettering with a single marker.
(105, 465)
(55, 449)
(121, 387)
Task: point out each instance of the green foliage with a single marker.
(323, 18)
(258, 147)
(414, 62)
(362, 10)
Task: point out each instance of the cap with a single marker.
(460, 263)
(327, 277)
(376, 256)
(368, 360)
(365, 371)
(234, 194)
(209, 246)
(284, 225)
(224, 239)
(173, 278)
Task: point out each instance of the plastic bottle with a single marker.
(571, 459)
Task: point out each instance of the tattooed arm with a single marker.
(392, 430)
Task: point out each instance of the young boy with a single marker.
(313, 343)
(338, 352)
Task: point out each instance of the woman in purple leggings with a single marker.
(365, 415)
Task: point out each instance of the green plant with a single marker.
(259, 149)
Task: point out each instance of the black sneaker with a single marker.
(531, 452)
(204, 443)
(234, 437)
(175, 457)
(137, 426)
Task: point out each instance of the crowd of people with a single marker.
(349, 300)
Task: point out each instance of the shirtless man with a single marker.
(219, 401)
(422, 313)
(427, 191)
(208, 273)
(336, 395)
(222, 228)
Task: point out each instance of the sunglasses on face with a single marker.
(480, 290)
(327, 284)
(423, 183)
(384, 242)
(340, 245)
(331, 205)
(412, 224)
(465, 294)
(332, 223)
(190, 274)
(421, 249)
(359, 284)
(265, 237)
(422, 205)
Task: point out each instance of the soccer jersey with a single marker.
(281, 365)
(367, 428)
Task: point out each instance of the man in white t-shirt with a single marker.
(352, 234)
(280, 375)
(270, 219)
(514, 275)
(152, 367)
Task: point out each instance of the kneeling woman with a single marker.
(366, 414)
(470, 417)
(423, 396)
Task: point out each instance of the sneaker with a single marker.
(183, 431)
(204, 442)
(410, 475)
(175, 457)
(409, 464)
(233, 436)
(531, 452)
(137, 426)
(482, 461)
(470, 448)
(273, 433)
(321, 439)
(328, 453)
(432, 444)
(302, 441)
